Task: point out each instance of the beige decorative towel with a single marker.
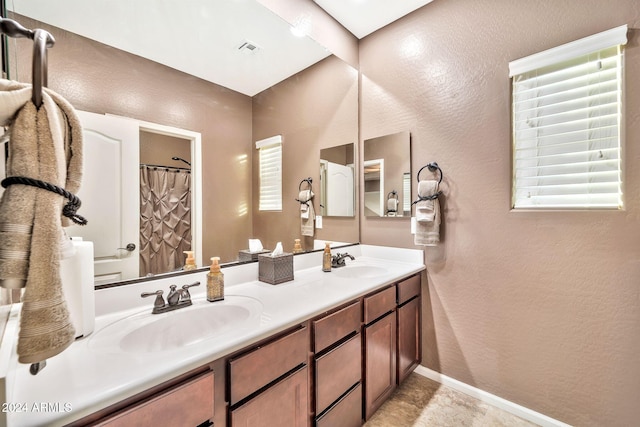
(45, 144)
(307, 212)
(427, 215)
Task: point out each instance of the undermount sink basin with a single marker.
(359, 271)
(145, 332)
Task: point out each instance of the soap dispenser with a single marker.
(190, 263)
(297, 248)
(326, 257)
(215, 281)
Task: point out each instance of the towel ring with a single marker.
(308, 181)
(433, 166)
(41, 41)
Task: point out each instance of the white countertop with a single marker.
(90, 375)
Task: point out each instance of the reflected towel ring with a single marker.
(433, 166)
(308, 181)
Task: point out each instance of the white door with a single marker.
(340, 198)
(109, 195)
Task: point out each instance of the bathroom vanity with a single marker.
(325, 349)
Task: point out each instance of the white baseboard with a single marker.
(491, 399)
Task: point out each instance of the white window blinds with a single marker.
(567, 106)
(270, 160)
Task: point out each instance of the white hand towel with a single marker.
(392, 205)
(425, 209)
(427, 215)
(307, 213)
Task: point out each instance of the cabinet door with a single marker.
(346, 412)
(191, 403)
(337, 371)
(283, 404)
(408, 338)
(380, 362)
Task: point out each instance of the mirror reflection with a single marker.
(387, 175)
(165, 203)
(337, 184)
(99, 78)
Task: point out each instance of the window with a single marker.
(566, 122)
(270, 159)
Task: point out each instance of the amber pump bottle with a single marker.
(326, 257)
(190, 263)
(215, 281)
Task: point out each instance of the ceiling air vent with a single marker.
(248, 47)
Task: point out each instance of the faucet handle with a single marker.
(185, 290)
(185, 287)
(159, 302)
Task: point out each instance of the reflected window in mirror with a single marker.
(387, 175)
(337, 181)
(270, 175)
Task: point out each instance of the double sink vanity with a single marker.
(324, 349)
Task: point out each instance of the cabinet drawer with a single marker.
(337, 371)
(190, 403)
(408, 289)
(252, 371)
(378, 304)
(333, 327)
(286, 403)
(347, 412)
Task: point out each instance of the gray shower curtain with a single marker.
(165, 219)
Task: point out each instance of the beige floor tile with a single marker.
(421, 402)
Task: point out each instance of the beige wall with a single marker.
(101, 79)
(158, 149)
(541, 308)
(316, 108)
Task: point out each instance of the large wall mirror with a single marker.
(387, 176)
(98, 75)
(337, 181)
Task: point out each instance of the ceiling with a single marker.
(363, 17)
(204, 38)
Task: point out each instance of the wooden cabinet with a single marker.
(333, 327)
(188, 404)
(269, 384)
(379, 304)
(392, 342)
(263, 364)
(380, 350)
(333, 370)
(284, 404)
(409, 331)
(346, 412)
(408, 338)
(338, 368)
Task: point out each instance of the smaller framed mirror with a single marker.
(337, 181)
(387, 176)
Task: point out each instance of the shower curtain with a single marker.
(165, 219)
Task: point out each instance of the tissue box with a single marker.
(275, 269)
(245, 256)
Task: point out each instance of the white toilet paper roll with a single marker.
(76, 273)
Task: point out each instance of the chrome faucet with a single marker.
(338, 260)
(177, 298)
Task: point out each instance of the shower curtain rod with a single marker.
(164, 167)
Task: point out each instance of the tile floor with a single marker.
(421, 402)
